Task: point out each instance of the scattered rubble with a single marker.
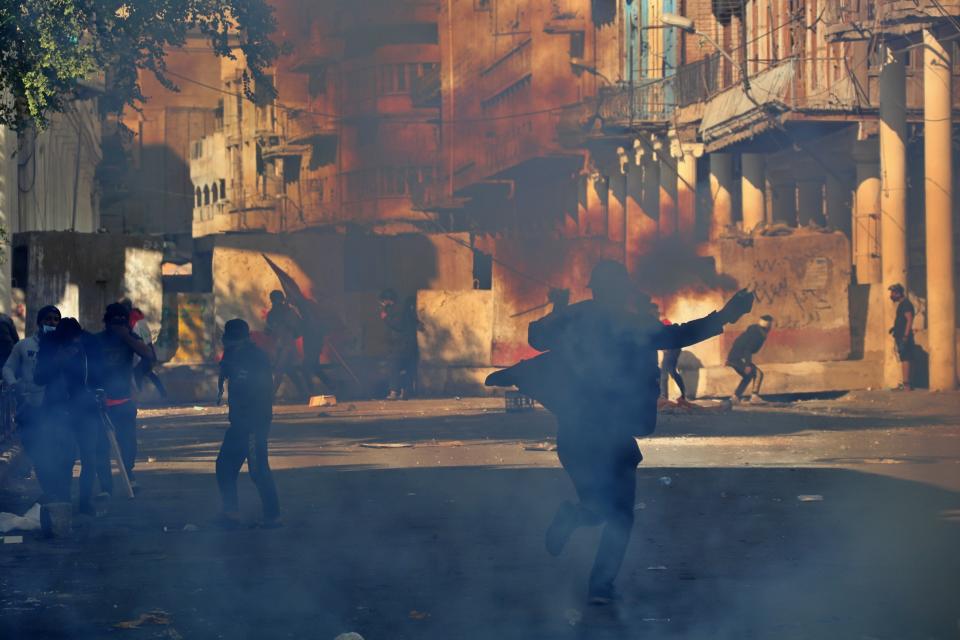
(155, 617)
(30, 521)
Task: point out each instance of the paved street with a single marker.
(425, 519)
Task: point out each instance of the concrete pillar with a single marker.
(866, 213)
(752, 186)
(893, 190)
(616, 206)
(810, 203)
(668, 193)
(688, 153)
(651, 187)
(938, 198)
(641, 218)
(721, 193)
(591, 215)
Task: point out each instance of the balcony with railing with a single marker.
(866, 19)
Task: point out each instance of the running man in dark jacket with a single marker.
(246, 371)
(119, 345)
(600, 378)
(740, 359)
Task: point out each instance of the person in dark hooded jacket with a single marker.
(599, 377)
(70, 366)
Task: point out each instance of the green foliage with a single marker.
(50, 46)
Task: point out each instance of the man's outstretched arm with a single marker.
(677, 336)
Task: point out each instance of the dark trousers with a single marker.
(401, 372)
(749, 372)
(603, 473)
(124, 419)
(94, 447)
(312, 348)
(57, 453)
(246, 442)
(669, 370)
(44, 448)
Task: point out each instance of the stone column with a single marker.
(592, 217)
(651, 187)
(617, 198)
(668, 191)
(687, 155)
(893, 190)
(866, 213)
(721, 187)
(641, 220)
(938, 198)
(753, 197)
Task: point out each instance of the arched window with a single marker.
(206, 195)
(199, 197)
(213, 190)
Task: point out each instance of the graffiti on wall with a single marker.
(795, 289)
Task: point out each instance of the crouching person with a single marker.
(248, 375)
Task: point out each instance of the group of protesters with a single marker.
(70, 386)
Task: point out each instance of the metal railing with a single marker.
(648, 101)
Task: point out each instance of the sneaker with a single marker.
(561, 528)
(393, 396)
(756, 399)
(734, 399)
(603, 596)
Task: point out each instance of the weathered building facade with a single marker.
(478, 152)
(747, 134)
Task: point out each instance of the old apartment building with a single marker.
(475, 153)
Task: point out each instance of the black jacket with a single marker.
(601, 364)
(747, 344)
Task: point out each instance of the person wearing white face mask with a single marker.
(18, 376)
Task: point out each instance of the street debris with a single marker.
(656, 619)
(685, 407)
(666, 481)
(640, 506)
(12, 539)
(352, 635)
(155, 617)
(30, 521)
(322, 401)
(540, 446)
(386, 445)
(419, 615)
(573, 617)
(810, 497)
(191, 527)
(658, 567)
(151, 459)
